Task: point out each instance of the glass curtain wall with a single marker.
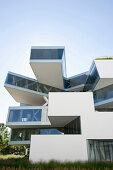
(103, 94)
(44, 54)
(24, 115)
(25, 134)
(100, 150)
(22, 134)
(75, 80)
(92, 78)
(19, 81)
(74, 127)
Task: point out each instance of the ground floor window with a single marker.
(25, 134)
(100, 150)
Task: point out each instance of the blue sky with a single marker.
(84, 27)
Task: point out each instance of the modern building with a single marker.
(60, 118)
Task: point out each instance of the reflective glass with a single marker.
(24, 115)
(25, 134)
(46, 54)
(74, 127)
(19, 81)
(49, 131)
(103, 94)
(100, 150)
(75, 81)
(92, 78)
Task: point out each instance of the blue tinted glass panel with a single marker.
(19, 81)
(100, 150)
(75, 81)
(103, 94)
(74, 127)
(46, 54)
(23, 134)
(25, 115)
(92, 79)
(49, 131)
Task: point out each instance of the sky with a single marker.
(84, 27)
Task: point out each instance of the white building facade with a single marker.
(60, 118)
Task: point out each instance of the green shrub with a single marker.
(104, 58)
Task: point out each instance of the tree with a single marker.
(4, 137)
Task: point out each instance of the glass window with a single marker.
(74, 127)
(29, 84)
(46, 53)
(92, 79)
(23, 134)
(49, 131)
(100, 150)
(103, 94)
(75, 81)
(25, 115)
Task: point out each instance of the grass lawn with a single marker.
(15, 162)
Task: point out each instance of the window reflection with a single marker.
(74, 127)
(100, 150)
(25, 134)
(46, 54)
(103, 94)
(75, 81)
(49, 131)
(25, 115)
(29, 84)
(92, 79)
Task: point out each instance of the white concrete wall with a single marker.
(70, 104)
(94, 125)
(57, 147)
(104, 68)
(103, 82)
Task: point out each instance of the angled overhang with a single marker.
(25, 90)
(103, 82)
(25, 96)
(48, 65)
(61, 121)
